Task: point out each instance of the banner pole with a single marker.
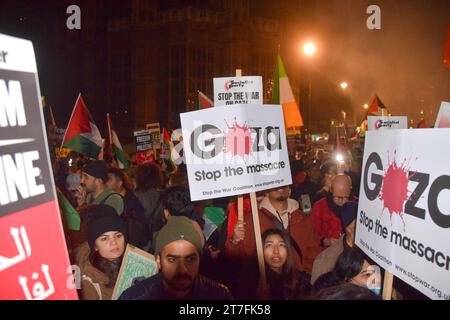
(259, 247)
(240, 197)
(387, 285)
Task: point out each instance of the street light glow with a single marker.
(344, 85)
(366, 106)
(309, 48)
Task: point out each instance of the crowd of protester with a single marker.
(308, 232)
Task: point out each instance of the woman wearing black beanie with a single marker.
(100, 257)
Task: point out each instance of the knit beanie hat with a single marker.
(178, 228)
(97, 169)
(103, 218)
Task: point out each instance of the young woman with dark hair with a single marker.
(351, 267)
(100, 257)
(284, 282)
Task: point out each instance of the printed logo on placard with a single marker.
(230, 84)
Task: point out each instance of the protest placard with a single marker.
(238, 90)
(30, 221)
(386, 122)
(232, 151)
(136, 265)
(155, 131)
(403, 221)
(443, 118)
(144, 147)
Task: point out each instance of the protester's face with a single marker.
(341, 189)
(314, 173)
(280, 194)
(88, 182)
(179, 262)
(113, 182)
(111, 245)
(275, 252)
(362, 278)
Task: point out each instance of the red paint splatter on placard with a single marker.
(238, 140)
(394, 191)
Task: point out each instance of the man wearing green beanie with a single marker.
(178, 250)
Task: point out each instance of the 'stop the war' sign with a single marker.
(238, 90)
(29, 216)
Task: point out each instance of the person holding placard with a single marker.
(277, 210)
(100, 257)
(284, 281)
(327, 211)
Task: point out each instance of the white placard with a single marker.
(231, 151)
(238, 90)
(404, 206)
(443, 118)
(386, 122)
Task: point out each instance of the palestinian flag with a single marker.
(116, 146)
(167, 145)
(203, 101)
(282, 94)
(375, 106)
(82, 135)
(71, 217)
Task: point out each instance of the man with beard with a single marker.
(93, 189)
(178, 248)
(277, 211)
(326, 212)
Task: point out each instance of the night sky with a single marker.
(401, 63)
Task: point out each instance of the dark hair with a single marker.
(178, 201)
(149, 176)
(290, 284)
(348, 264)
(346, 291)
(178, 179)
(326, 280)
(122, 176)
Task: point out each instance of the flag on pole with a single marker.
(82, 135)
(102, 151)
(167, 145)
(375, 107)
(447, 48)
(282, 94)
(422, 124)
(71, 217)
(203, 101)
(116, 146)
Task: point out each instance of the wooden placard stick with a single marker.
(387, 286)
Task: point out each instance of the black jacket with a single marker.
(152, 289)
